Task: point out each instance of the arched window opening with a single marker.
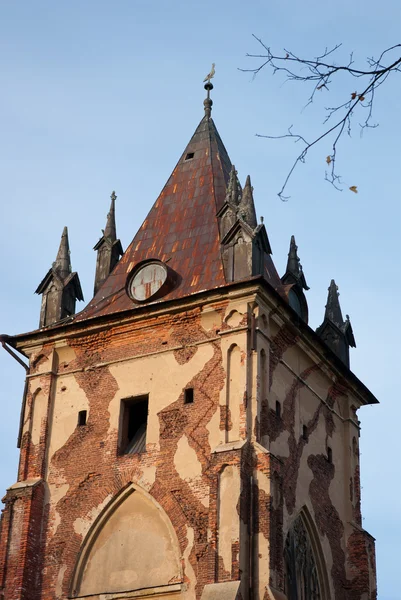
(131, 546)
(235, 393)
(301, 574)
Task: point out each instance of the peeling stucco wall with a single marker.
(313, 437)
(226, 472)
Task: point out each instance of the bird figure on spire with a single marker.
(210, 75)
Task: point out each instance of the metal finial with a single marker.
(208, 102)
(113, 195)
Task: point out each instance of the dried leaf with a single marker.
(328, 159)
(320, 87)
(353, 189)
(353, 95)
(287, 55)
(361, 98)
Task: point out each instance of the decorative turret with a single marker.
(60, 288)
(108, 248)
(294, 272)
(294, 276)
(246, 208)
(334, 331)
(245, 245)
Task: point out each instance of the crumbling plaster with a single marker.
(188, 445)
(322, 406)
(157, 376)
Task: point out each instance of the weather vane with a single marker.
(210, 75)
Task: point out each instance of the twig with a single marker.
(321, 74)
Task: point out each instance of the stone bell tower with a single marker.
(187, 435)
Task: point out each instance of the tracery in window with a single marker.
(301, 575)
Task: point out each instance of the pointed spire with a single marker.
(110, 231)
(333, 309)
(233, 194)
(246, 207)
(293, 265)
(60, 288)
(108, 248)
(294, 272)
(337, 334)
(62, 264)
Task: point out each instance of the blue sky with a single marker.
(97, 96)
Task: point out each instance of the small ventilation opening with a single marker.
(81, 418)
(189, 156)
(278, 409)
(305, 433)
(134, 422)
(189, 396)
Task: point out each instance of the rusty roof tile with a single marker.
(182, 224)
(181, 228)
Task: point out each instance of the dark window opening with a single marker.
(133, 425)
(329, 455)
(300, 568)
(189, 156)
(278, 409)
(81, 418)
(305, 432)
(189, 396)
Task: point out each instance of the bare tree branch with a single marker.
(320, 73)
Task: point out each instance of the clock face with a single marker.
(147, 281)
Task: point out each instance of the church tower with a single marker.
(187, 435)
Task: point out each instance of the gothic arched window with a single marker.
(301, 574)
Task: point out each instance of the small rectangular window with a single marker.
(81, 418)
(278, 409)
(305, 432)
(188, 395)
(133, 424)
